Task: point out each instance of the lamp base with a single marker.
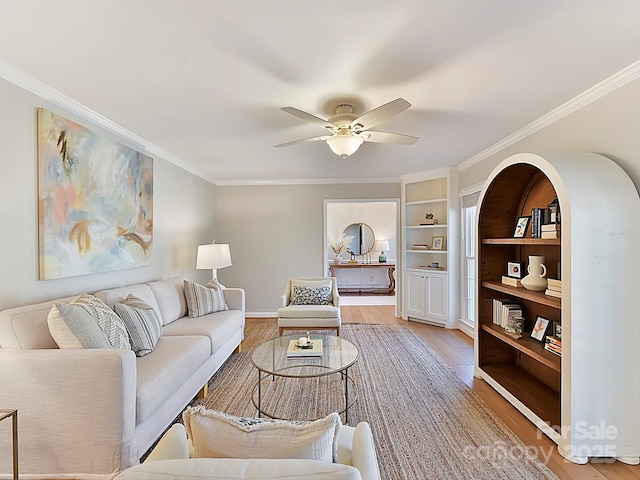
(382, 258)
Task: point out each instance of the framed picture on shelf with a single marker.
(557, 330)
(437, 242)
(521, 226)
(515, 269)
(539, 330)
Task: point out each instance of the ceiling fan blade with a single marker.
(305, 140)
(381, 113)
(307, 117)
(387, 137)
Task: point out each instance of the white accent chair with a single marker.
(309, 317)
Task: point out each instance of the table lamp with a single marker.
(213, 256)
(382, 245)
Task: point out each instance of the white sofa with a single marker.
(92, 413)
(170, 460)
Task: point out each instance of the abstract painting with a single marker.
(95, 208)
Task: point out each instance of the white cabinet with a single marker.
(427, 295)
(430, 247)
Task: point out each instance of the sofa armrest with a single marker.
(76, 408)
(363, 454)
(172, 445)
(234, 298)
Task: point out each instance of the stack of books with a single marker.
(538, 219)
(554, 288)
(503, 310)
(420, 246)
(553, 344)
(514, 282)
(550, 230)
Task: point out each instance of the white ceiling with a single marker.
(204, 80)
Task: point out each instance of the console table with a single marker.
(391, 268)
(14, 438)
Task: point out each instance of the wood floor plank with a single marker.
(456, 349)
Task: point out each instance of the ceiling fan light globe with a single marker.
(344, 145)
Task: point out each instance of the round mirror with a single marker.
(362, 238)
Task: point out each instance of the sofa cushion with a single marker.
(118, 295)
(310, 295)
(204, 299)
(170, 297)
(218, 327)
(232, 468)
(26, 328)
(71, 326)
(216, 434)
(309, 311)
(142, 323)
(173, 361)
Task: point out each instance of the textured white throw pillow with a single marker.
(72, 327)
(110, 323)
(219, 435)
(204, 299)
(142, 323)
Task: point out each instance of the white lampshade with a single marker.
(382, 245)
(344, 144)
(213, 256)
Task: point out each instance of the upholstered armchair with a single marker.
(310, 303)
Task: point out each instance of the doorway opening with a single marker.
(366, 281)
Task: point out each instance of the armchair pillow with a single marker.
(204, 299)
(301, 295)
(216, 434)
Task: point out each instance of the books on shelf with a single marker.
(553, 344)
(550, 234)
(554, 288)
(312, 350)
(553, 293)
(503, 310)
(513, 282)
(550, 227)
(420, 246)
(538, 218)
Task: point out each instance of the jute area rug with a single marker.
(427, 424)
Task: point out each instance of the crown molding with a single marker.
(304, 181)
(19, 78)
(615, 81)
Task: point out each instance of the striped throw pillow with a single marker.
(204, 299)
(142, 323)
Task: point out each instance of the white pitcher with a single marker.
(536, 280)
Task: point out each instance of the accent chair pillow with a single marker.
(142, 323)
(310, 295)
(72, 327)
(204, 299)
(110, 323)
(215, 434)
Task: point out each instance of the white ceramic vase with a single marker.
(337, 259)
(536, 280)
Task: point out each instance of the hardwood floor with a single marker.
(456, 349)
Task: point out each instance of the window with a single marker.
(469, 207)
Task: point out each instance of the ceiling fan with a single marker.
(347, 131)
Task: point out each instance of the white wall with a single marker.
(183, 213)
(609, 126)
(276, 232)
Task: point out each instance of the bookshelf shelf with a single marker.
(520, 292)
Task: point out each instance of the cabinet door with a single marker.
(436, 297)
(416, 294)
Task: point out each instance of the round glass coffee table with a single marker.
(282, 357)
